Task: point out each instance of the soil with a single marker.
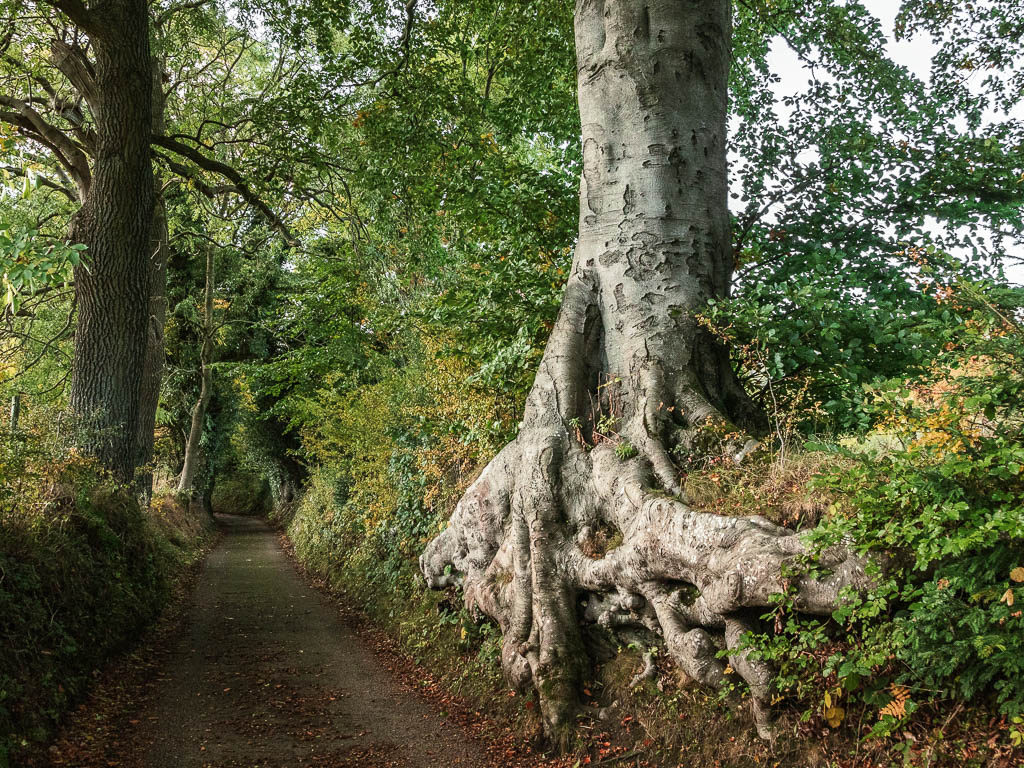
(261, 670)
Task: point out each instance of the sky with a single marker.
(915, 54)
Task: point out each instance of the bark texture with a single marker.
(628, 382)
(113, 288)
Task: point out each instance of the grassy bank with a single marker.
(83, 570)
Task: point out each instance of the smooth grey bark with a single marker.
(195, 434)
(628, 362)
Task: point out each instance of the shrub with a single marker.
(935, 496)
(83, 568)
(241, 493)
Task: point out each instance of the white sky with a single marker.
(915, 54)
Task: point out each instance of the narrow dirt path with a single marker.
(265, 673)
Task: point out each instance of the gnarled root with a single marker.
(516, 544)
(629, 362)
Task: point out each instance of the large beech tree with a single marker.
(629, 380)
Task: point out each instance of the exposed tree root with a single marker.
(516, 552)
(629, 383)
(560, 530)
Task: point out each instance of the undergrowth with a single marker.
(83, 568)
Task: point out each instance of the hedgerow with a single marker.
(83, 569)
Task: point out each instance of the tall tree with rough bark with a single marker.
(629, 383)
(103, 102)
(114, 223)
(88, 97)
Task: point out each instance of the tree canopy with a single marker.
(363, 222)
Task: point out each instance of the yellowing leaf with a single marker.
(1007, 597)
(1017, 574)
(834, 716)
(898, 706)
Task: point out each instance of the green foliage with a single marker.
(946, 501)
(30, 264)
(935, 497)
(84, 569)
(811, 340)
(843, 189)
(402, 448)
(625, 450)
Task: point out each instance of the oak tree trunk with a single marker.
(630, 383)
(112, 289)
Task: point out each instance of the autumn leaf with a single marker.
(834, 716)
(1007, 597)
(1017, 574)
(898, 706)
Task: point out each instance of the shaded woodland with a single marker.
(576, 345)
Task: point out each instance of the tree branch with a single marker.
(68, 153)
(77, 11)
(159, 21)
(41, 81)
(71, 62)
(15, 171)
(405, 43)
(222, 169)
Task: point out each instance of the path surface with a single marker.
(266, 674)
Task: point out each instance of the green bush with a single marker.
(935, 497)
(241, 493)
(83, 568)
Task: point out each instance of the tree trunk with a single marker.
(112, 288)
(188, 471)
(207, 497)
(159, 251)
(630, 381)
